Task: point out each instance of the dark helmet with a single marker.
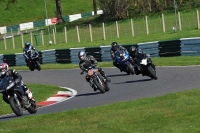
(114, 46)
(133, 50)
(81, 55)
(4, 68)
(27, 44)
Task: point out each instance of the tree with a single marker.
(59, 11)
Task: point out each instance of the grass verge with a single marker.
(176, 112)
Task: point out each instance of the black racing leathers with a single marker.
(16, 77)
(91, 61)
(112, 53)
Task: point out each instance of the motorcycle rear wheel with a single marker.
(15, 106)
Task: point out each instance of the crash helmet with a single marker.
(4, 68)
(133, 51)
(114, 46)
(81, 55)
(27, 44)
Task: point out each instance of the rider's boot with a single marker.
(29, 94)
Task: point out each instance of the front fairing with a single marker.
(122, 56)
(5, 81)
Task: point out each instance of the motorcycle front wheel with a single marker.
(101, 89)
(33, 108)
(38, 65)
(15, 106)
(152, 72)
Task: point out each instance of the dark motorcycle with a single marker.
(96, 80)
(33, 60)
(15, 96)
(145, 66)
(123, 60)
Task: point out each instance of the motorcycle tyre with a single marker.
(33, 108)
(130, 69)
(30, 67)
(101, 89)
(17, 110)
(107, 87)
(38, 65)
(152, 73)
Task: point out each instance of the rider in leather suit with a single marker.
(27, 47)
(114, 48)
(87, 61)
(4, 71)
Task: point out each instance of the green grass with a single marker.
(34, 10)
(176, 113)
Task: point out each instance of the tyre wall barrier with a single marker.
(182, 47)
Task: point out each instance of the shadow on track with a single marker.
(89, 94)
(141, 80)
(117, 75)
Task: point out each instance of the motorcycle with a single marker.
(96, 79)
(33, 60)
(146, 67)
(123, 59)
(15, 96)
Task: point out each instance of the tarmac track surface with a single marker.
(123, 87)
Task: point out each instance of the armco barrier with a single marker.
(63, 56)
(190, 46)
(74, 54)
(169, 48)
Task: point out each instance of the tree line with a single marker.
(119, 9)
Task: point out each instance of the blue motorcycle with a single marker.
(123, 60)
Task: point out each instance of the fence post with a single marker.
(117, 28)
(42, 34)
(147, 26)
(198, 23)
(104, 33)
(5, 41)
(163, 22)
(90, 28)
(65, 33)
(31, 36)
(77, 31)
(179, 20)
(13, 40)
(132, 28)
(54, 38)
(22, 40)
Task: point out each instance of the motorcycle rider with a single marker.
(27, 47)
(114, 47)
(136, 55)
(5, 71)
(87, 61)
